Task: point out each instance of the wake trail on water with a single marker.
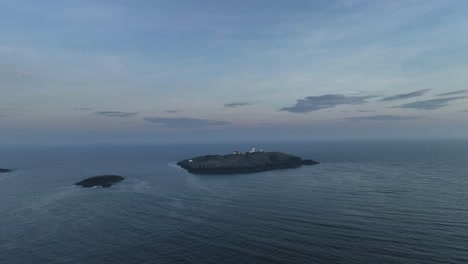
(174, 165)
(7, 175)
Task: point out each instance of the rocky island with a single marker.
(5, 170)
(100, 181)
(243, 162)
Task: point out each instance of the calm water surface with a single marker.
(368, 202)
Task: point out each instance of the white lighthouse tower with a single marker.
(252, 150)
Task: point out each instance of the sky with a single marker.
(119, 71)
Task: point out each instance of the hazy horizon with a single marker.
(200, 71)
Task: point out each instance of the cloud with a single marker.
(173, 111)
(464, 111)
(405, 96)
(237, 104)
(83, 109)
(383, 118)
(453, 93)
(115, 113)
(314, 103)
(430, 104)
(17, 73)
(10, 111)
(185, 122)
(365, 111)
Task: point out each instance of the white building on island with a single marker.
(252, 150)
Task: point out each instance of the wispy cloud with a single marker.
(365, 111)
(17, 73)
(83, 109)
(405, 96)
(6, 111)
(465, 91)
(184, 122)
(430, 104)
(464, 111)
(314, 103)
(173, 111)
(383, 118)
(115, 113)
(237, 104)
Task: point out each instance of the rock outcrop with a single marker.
(242, 163)
(100, 181)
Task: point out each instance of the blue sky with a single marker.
(159, 71)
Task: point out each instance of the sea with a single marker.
(367, 202)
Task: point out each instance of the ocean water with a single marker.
(368, 202)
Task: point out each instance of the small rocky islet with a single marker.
(103, 181)
(237, 162)
(5, 170)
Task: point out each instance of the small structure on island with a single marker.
(252, 150)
